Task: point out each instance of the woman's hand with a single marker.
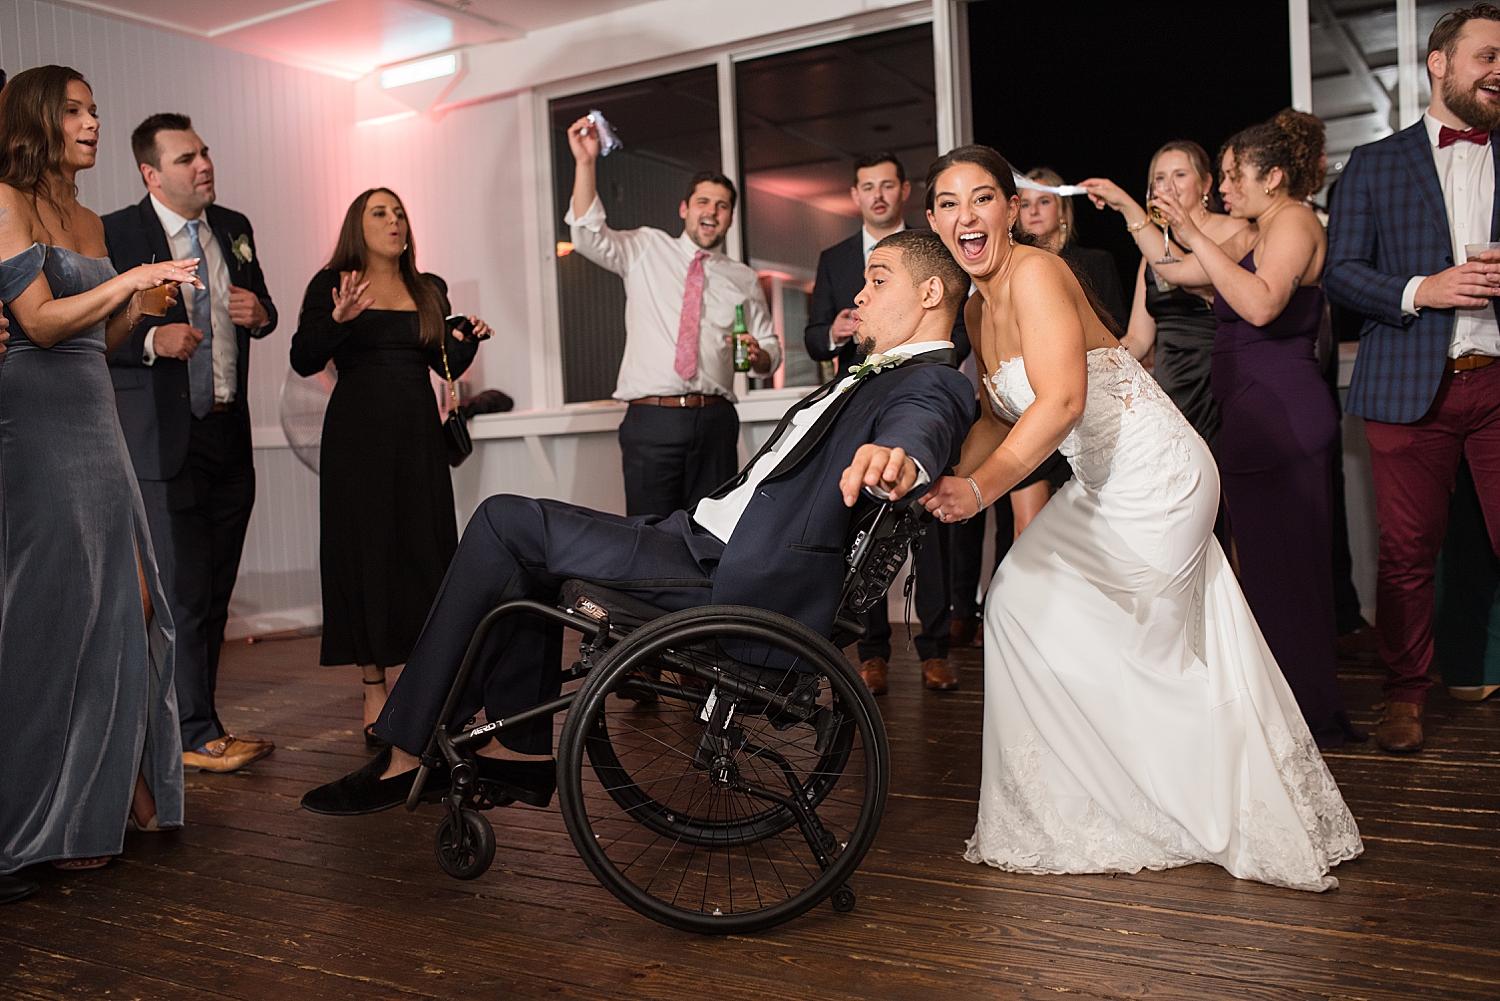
(951, 499)
(347, 303)
(1105, 193)
(482, 331)
(148, 276)
(1184, 230)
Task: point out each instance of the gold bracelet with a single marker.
(1138, 226)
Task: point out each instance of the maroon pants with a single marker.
(1413, 466)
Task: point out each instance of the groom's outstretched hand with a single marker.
(890, 470)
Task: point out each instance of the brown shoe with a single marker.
(937, 675)
(227, 754)
(874, 671)
(962, 631)
(1400, 729)
(1472, 693)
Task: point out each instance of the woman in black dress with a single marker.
(1049, 220)
(1177, 324)
(385, 496)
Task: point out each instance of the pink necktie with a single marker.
(686, 363)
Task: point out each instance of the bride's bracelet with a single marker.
(978, 497)
(1138, 226)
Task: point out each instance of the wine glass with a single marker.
(1160, 221)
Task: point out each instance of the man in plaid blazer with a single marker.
(1425, 381)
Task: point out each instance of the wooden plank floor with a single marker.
(257, 899)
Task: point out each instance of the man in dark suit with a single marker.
(880, 191)
(897, 429)
(1425, 381)
(180, 386)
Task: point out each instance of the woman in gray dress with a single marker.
(88, 717)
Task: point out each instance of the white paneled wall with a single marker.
(280, 139)
(460, 178)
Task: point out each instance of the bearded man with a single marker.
(679, 439)
(1404, 216)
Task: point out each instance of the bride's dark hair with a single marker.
(991, 162)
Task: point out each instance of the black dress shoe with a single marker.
(13, 888)
(364, 791)
(531, 782)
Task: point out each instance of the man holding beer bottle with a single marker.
(693, 317)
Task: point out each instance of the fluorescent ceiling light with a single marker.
(386, 119)
(422, 69)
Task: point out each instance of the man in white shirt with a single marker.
(180, 386)
(1426, 381)
(680, 435)
(773, 537)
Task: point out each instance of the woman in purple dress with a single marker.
(1280, 434)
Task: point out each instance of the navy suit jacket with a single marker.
(841, 274)
(1387, 223)
(787, 552)
(155, 412)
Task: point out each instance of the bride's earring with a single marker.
(1012, 234)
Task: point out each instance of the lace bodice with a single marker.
(1125, 411)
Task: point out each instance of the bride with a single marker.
(1134, 717)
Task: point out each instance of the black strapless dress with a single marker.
(1185, 328)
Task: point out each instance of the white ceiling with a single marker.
(348, 38)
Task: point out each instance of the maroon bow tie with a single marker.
(1447, 137)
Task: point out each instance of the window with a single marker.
(803, 118)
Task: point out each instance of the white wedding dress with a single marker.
(1134, 717)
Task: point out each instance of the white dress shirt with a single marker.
(655, 266)
(216, 270)
(1466, 172)
(867, 242)
(721, 516)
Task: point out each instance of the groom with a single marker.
(772, 537)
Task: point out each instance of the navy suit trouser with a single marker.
(521, 547)
(198, 522)
(673, 457)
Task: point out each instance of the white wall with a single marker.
(281, 142)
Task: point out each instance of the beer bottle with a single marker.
(741, 344)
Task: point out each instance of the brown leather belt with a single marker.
(690, 400)
(1469, 363)
(221, 408)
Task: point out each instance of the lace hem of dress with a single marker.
(1021, 830)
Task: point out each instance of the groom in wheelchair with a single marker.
(775, 538)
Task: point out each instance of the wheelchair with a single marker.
(721, 770)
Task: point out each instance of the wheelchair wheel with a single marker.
(465, 849)
(747, 793)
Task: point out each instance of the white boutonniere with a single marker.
(876, 363)
(241, 249)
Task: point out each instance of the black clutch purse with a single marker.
(455, 428)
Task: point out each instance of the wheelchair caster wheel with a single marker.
(843, 900)
(467, 849)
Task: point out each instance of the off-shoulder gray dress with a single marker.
(86, 697)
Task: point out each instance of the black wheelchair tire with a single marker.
(685, 627)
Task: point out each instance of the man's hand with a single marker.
(844, 326)
(246, 309)
(760, 358)
(1466, 286)
(583, 140)
(176, 340)
(890, 469)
